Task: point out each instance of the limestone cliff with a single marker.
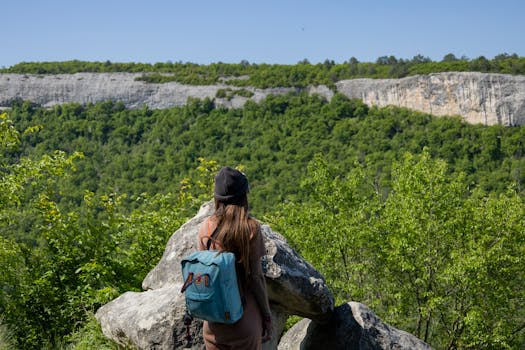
(477, 97)
(49, 90)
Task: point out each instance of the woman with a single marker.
(239, 233)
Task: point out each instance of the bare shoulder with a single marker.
(207, 226)
(203, 232)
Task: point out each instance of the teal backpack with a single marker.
(210, 286)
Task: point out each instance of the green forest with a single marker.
(299, 75)
(421, 218)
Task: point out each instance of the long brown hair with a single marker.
(236, 229)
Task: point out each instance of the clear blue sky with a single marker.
(270, 31)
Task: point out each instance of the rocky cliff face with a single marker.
(49, 90)
(477, 97)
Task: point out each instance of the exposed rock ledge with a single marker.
(477, 97)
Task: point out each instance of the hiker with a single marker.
(239, 233)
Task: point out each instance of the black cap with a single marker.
(230, 184)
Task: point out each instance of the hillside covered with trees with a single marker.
(135, 151)
(422, 218)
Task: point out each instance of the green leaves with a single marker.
(418, 226)
(432, 257)
(328, 229)
(409, 235)
(279, 75)
(82, 258)
(9, 137)
(490, 268)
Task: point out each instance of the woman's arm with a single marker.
(256, 281)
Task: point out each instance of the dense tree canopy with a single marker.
(432, 208)
(135, 151)
(58, 266)
(434, 257)
(278, 75)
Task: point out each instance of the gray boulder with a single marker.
(148, 320)
(294, 286)
(353, 326)
(483, 98)
(181, 243)
(154, 319)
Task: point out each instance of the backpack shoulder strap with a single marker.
(212, 236)
(238, 268)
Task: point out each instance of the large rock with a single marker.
(148, 320)
(353, 326)
(482, 98)
(294, 285)
(52, 89)
(477, 97)
(153, 319)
